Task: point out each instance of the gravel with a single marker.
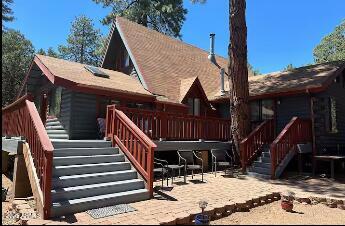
(273, 214)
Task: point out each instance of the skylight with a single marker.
(95, 71)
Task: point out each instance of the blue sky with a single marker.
(279, 32)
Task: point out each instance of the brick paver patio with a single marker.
(181, 200)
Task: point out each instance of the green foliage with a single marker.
(83, 42)
(6, 12)
(253, 70)
(332, 47)
(289, 67)
(17, 54)
(50, 52)
(165, 16)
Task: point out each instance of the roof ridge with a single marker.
(167, 36)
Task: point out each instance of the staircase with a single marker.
(264, 156)
(261, 167)
(55, 129)
(90, 174)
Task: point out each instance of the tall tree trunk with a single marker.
(238, 72)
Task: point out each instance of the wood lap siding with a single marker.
(289, 107)
(65, 111)
(83, 118)
(325, 138)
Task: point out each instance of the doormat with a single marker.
(110, 211)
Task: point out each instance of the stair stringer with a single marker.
(281, 167)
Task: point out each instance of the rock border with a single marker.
(226, 208)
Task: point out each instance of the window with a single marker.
(194, 106)
(267, 109)
(261, 110)
(55, 101)
(125, 59)
(331, 120)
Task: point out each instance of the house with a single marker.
(157, 93)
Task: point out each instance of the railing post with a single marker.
(164, 125)
(44, 108)
(150, 170)
(47, 183)
(273, 160)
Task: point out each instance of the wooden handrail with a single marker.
(296, 131)
(137, 147)
(252, 145)
(174, 126)
(22, 119)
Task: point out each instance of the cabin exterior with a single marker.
(158, 94)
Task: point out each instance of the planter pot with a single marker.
(202, 219)
(287, 206)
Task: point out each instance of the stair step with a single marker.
(260, 170)
(266, 154)
(92, 178)
(264, 159)
(53, 123)
(59, 127)
(90, 168)
(58, 136)
(63, 152)
(81, 143)
(258, 175)
(79, 160)
(262, 165)
(56, 131)
(79, 205)
(52, 119)
(96, 189)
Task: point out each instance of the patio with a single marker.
(179, 201)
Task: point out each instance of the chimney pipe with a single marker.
(222, 90)
(211, 56)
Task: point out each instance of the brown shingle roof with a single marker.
(164, 61)
(308, 77)
(75, 72)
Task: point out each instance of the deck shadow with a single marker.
(163, 196)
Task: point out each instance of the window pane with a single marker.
(267, 109)
(255, 111)
(332, 115)
(197, 106)
(190, 106)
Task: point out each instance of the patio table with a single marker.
(330, 158)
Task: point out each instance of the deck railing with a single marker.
(22, 119)
(296, 131)
(138, 147)
(251, 146)
(173, 126)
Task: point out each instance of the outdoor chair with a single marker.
(187, 157)
(220, 158)
(160, 169)
(170, 168)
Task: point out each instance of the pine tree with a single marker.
(238, 72)
(82, 43)
(165, 16)
(332, 47)
(17, 54)
(6, 12)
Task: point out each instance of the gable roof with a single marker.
(162, 61)
(185, 85)
(166, 65)
(313, 78)
(76, 75)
